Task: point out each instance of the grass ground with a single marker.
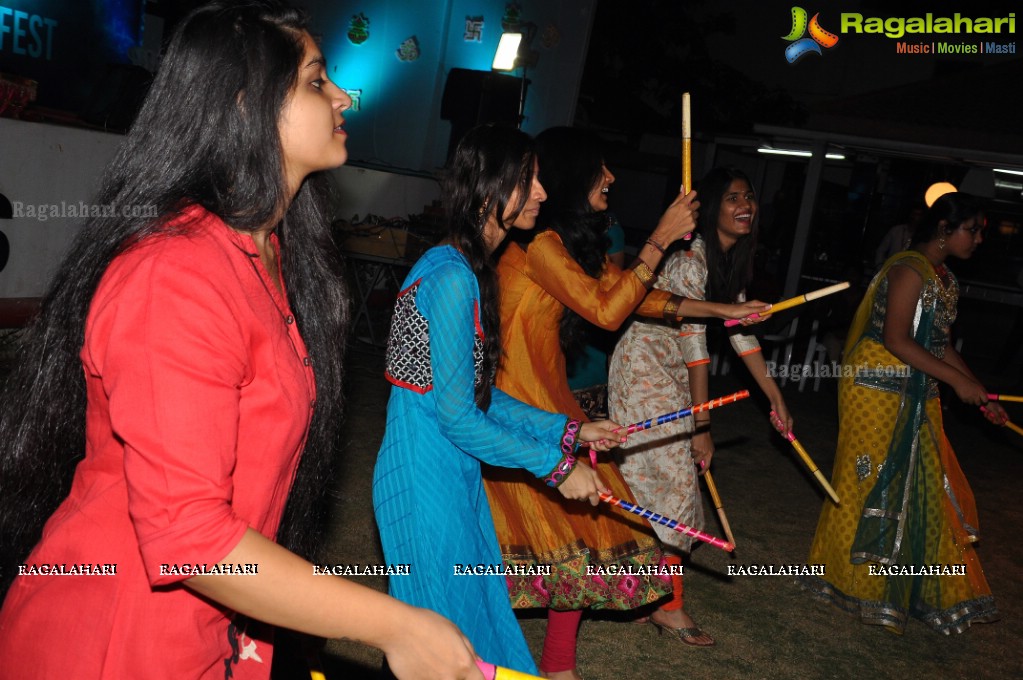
(766, 627)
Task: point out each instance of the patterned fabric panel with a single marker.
(408, 345)
(477, 348)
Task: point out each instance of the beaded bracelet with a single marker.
(568, 460)
(655, 244)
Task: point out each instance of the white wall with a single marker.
(45, 165)
(59, 168)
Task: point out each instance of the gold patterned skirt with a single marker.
(948, 594)
(599, 557)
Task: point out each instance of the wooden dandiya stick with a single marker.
(780, 426)
(675, 415)
(687, 151)
(719, 506)
(315, 667)
(492, 672)
(1008, 423)
(793, 302)
(1004, 397)
(668, 522)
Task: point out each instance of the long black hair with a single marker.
(953, 208)
(207, 134)
(571, 164)
(489, 163)
(728, 273)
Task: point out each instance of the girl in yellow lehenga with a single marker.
(901, 543)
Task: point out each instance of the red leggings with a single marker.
(563, 628)
(676, 585)
(559, 643)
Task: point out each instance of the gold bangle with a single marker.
(645, 274)
(671, 307)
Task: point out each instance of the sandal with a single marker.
(685, 635)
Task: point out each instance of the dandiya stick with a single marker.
(315, 667)
(1004, 397)
(668, 522)
(1008, 423)
(492, 672)
(687, 150)
(719, 506)
(669, 417)
(1014, 427)
(793, 302)
(780, 426)
(674, 415)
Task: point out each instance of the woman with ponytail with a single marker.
(444, 416)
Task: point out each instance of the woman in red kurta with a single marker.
(190, 348)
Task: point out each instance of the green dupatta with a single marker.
(893, 526)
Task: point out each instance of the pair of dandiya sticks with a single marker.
(728, 545)
(687, 186)
(1006, 397)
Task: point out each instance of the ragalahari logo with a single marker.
(801, 46)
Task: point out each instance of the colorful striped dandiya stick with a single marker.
(668, 522)
(1004, 397)
(687, 151)
(492, 672)
(780, 426)
(793, 302)
(1008, 423)
(675, 415)
(716, 499)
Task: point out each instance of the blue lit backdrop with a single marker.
(399, 124)
(65, 45)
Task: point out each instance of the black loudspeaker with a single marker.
(473, 98)
(6, 213)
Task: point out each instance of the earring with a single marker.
(941, 243)
(482, 212)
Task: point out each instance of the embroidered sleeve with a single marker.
(408, 344)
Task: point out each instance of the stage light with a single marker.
(506, 57)
(936, 191)
(800, 153)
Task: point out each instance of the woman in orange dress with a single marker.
(549, 290)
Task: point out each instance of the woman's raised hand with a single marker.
(678, 220)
